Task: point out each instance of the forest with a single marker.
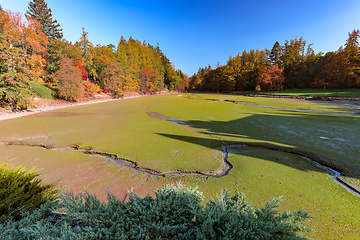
(36, 60)
(291, 65)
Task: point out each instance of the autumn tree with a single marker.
(114, 80)
(68, 80)
(22, 50)
(3, 66)
(338, 73)
(147, 79)
(183, 82)
(135, 56)
(271, 78)
(240, 73)
(23, 43)
(39, 10)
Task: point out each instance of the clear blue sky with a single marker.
(194, 33)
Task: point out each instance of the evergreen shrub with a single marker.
(174, 213)
(21, 191)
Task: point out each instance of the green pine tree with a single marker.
(39, 10)
(275, 54)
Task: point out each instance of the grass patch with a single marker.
(41, 91)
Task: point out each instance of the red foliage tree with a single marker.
(78, 60)
(84, 73)
(69, 81)
(271, 79)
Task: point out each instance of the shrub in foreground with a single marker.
(21, 191)
(174, 213)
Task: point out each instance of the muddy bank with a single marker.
(222, 171)
(4, 115)
(12, 115)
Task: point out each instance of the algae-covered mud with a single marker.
(162, 137)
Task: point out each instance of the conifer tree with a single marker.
(88, 54)
(352, 50)
(39, 10)
(352, 47)
(275, 54)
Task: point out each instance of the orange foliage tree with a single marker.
(69, 81)
(114, 80)
(23, 55)
(271, 79)
(35, 45)
(148, 81)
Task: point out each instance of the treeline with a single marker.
(37, 61)
(292, 65)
